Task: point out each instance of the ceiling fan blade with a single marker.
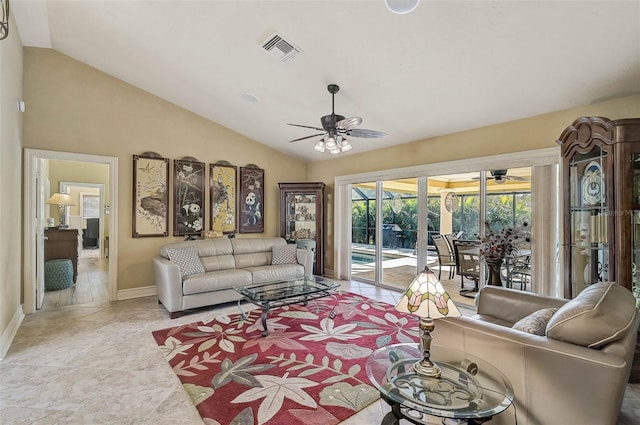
(369, 134)
(348, 123)
(517, 178)
(307, 126)
(307, 137)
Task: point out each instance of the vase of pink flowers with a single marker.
(499, 242)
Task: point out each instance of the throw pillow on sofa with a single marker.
(600, 314)
(284, 254)
(187, 260)
(536, 322)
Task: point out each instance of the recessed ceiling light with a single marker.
(401, 6)
(249, 97)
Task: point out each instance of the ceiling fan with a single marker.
(336, 127)
(501, 176)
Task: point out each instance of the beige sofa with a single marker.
(557, 378)
(224, 263)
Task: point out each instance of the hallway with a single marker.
(90, 287)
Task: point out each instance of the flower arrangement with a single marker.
(499, 243)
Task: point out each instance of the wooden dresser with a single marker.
(62, 244)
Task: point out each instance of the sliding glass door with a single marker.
(399, 231)
(388, 217)
(363, 231)
(391, 261)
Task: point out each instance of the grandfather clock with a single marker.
(601, 207)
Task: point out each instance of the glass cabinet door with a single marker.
(301, 216)
(635, 226)
(589, 239)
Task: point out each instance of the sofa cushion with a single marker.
(536, 322)
(275, 273)
(600, 314)
(492, 319)
(285, 254)
(205, 247)
(214, 281)
(187, 260)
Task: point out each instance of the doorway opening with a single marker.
(96, 271)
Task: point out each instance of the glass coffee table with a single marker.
(470, 390)
(272, 295)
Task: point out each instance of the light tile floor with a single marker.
(91, 284)
(98, 364)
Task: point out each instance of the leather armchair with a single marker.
(555, 380)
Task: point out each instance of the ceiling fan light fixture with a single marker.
(401, 7)
(335, 126)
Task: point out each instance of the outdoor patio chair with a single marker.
(450, 237)
(445, 255)
(522, 269)
(467, 254)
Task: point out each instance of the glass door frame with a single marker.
(342, 216)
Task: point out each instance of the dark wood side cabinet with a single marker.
(62, 244)
(302, 218)
(601, 206)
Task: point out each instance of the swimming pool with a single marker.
(365, 257)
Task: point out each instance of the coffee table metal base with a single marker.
(272, 295)
(398, 411)
(266, 307)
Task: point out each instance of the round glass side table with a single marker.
(469, 389)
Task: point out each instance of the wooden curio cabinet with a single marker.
(302, 218)
(601, 206)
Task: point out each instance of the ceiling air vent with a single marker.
(280, 48)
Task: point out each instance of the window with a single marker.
(90, 205)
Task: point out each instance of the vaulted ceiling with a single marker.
(446, 67)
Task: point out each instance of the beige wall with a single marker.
(515, 136)
(11, 178)
(76, 108)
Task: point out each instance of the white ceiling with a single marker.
(446, 67)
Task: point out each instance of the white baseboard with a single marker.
(127, 294)
(10, 332)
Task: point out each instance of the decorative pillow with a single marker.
(285, 254)
(536, 322)
(187, 259)
(600, 314)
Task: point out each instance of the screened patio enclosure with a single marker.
(451, 204)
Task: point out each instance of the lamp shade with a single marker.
(426, 297)
(61, 199)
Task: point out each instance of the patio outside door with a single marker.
(387, 253)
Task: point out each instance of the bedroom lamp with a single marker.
(62, 200)
(426, 298)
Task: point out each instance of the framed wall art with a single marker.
(251, 182)
(150, 195)
(223, 184)
(188, 196)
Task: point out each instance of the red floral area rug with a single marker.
(309, 369)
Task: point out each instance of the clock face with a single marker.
(593, 184)
(451, 202)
